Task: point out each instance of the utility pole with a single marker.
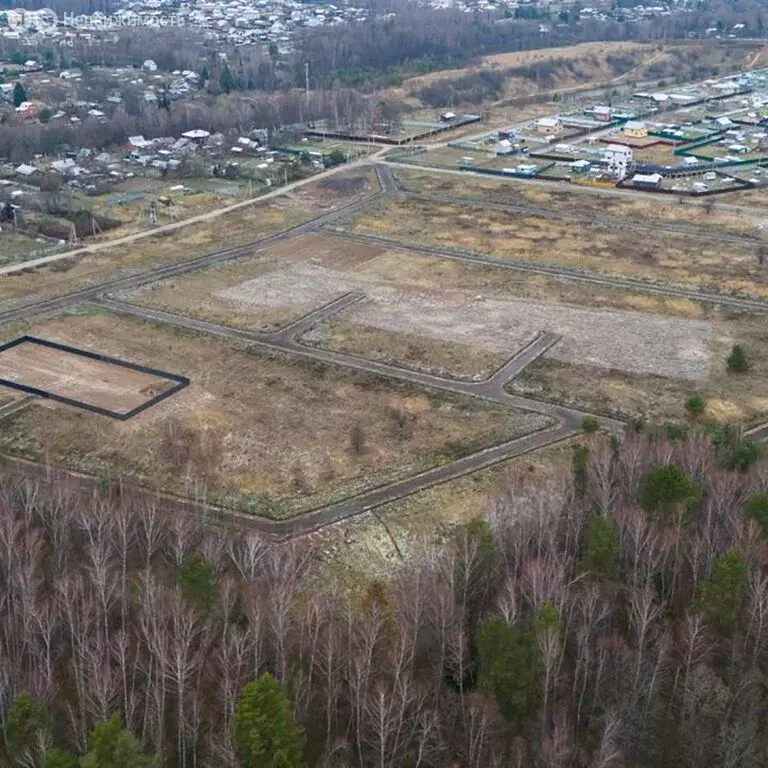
(306, 80)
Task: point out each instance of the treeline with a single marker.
(231, 115)
(604, 614)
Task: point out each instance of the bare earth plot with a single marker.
(265, 434)
(212, 294)
(598, 248)
(80, 378)
(626, 340)
(741, 398)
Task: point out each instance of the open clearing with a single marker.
(601, 248)
(262, 433)
(217, 294)
(431, 314)
(575, 201)
(94, 382)
(741, 398)
(244, 226)
(626, 340)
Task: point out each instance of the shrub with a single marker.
(737, 361)
(590, 424)
(666, 487)
(695, 405)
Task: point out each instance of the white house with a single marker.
(618, 157)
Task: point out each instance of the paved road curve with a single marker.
(489, 389)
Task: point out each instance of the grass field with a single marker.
(601, 247)
(581, 202)
(444, 358)
(16, 247)
(262, 433)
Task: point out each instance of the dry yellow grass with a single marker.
(416, 352)
(586, 202)
(250, 423)
(742, 398)
(666, 256)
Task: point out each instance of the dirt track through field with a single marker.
(68, 375)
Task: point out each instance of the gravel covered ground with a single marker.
(631, 341)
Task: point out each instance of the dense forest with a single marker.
(607, 612)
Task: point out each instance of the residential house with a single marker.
(549, 126)
(602, 114)
(647, 180)
(635, 129)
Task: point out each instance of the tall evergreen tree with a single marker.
(722, 595)
(19, 95)
(26, 721)
(111, 746)
(265, 733)
(506, 668)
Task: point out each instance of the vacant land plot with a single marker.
(605, 248)
(422, 312)
(441, 316)
(263, 433)
(246, 225)
(409, 350)
(739, 397)
(222, 294)
(80, 378)
(712, 216)
(627, 340)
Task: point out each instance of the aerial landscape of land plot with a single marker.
(252, 426)
(582, 296)
(383, 385)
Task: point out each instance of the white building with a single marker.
(619, 158)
